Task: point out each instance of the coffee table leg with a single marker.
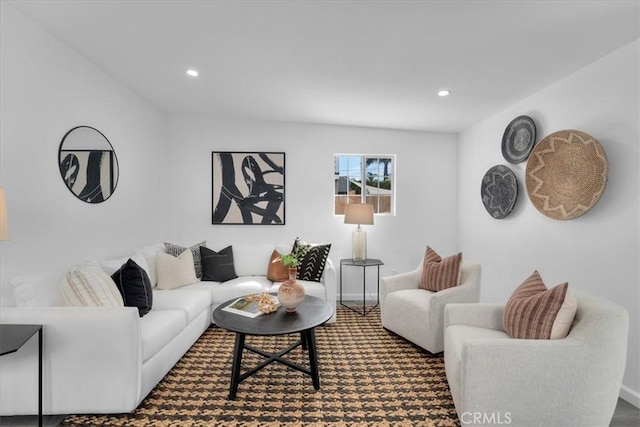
(237, 362)
(303, 338)
(313, 357)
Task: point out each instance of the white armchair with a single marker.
(417, 314)
(574, 381)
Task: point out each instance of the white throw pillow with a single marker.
(151, 254)
(564, 318)
(174, 272)
(37, 290)
(89, 287)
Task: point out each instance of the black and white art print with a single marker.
(248, 188)
(89, 174)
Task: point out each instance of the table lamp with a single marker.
(357, 213)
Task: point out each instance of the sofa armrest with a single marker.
(329, 278)
(408, 280)
(483, 315)
(92, 361)
(463, 294)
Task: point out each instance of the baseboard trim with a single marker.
(630, 395)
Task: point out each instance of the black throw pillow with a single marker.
(217, 266)
(312, 265)
(134, 286)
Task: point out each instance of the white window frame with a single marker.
(363, 177)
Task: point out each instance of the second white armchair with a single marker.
(417, 314)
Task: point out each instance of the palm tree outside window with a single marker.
(364, 179)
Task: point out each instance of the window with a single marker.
(364, 179)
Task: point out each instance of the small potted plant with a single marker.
(293, 259)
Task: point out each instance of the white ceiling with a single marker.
(361, 63)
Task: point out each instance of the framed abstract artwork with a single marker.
(247, 188)
(88, 164)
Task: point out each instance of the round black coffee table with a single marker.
(310, 313)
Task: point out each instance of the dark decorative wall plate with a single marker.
(566, 174)
(499, 191)
(518, 139)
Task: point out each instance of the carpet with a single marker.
(368, 377)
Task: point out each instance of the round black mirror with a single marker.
(88, 164)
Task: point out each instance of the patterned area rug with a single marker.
(368, 376)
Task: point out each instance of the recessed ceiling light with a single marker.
(192, 73)
(444, 92)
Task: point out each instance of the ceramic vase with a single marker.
(291, 293)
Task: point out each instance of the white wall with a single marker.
(426, 193)
(597, 252)
(46, 90)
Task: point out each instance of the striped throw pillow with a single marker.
(89, 287)
(533, 309)
(440, 273)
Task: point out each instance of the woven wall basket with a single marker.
(518, 139)
(499, 191)
(566, 174)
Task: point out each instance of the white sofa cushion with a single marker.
(110, 266)
(238, 287)
(158, 328)
(37, 290)
(191, 301)
(252, 260)
(410, 319)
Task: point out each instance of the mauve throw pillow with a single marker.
(440, 273)
(532, 309)
(134, 286)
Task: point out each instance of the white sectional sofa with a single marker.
(106, 360)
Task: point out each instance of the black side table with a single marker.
(369, 262)
(12, 338)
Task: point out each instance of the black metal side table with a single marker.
(369, 262)
(12, 338)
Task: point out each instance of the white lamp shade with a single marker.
(357, 213)
(4, 225)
